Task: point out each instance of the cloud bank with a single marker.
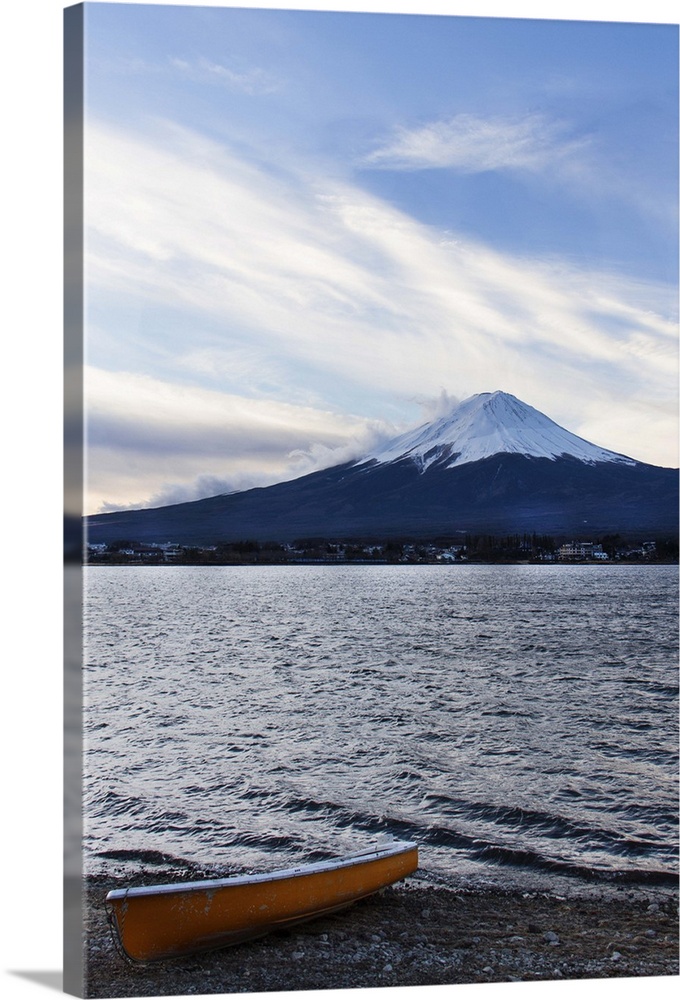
(142, 433)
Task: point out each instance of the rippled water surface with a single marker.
(516, 721)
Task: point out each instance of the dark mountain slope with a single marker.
(505, 493)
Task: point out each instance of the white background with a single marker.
(31, 819)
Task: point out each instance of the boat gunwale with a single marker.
(211, 885)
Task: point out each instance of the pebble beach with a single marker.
(415, 934)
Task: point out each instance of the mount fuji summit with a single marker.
(489, 424)
(493, 464)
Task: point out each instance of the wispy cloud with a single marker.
(438, 406)
(530, 147)
(472, 144)
(251, 80)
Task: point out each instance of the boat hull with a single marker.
(159, 922)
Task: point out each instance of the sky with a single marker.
(309, 231)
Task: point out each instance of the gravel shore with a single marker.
(415, 934)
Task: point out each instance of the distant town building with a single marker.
(581, 550)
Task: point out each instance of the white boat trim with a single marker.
(372, 854)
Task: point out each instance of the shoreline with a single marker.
(415, 933)
(377, 562)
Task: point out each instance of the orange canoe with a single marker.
(162, 921)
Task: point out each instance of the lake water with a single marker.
(519, 722)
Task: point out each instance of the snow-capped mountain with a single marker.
(493, 465)
(491, 423)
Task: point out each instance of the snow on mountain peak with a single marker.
(487, 424)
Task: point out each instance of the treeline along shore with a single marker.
(472, 548)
